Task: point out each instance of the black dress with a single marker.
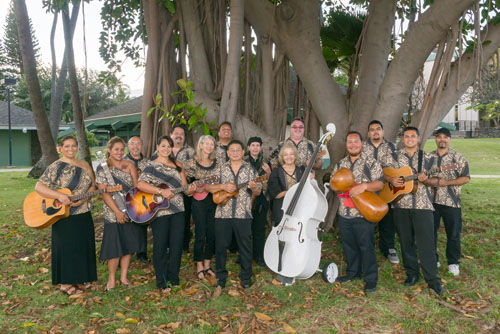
(279, 181)
(73, 239)
(118, 239)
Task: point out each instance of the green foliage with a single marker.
(10, 50)
(187, 112)
(100, 97)
(339, 37)
(91, 138)
(489, 111)
(123, 31)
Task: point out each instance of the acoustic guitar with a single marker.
(142, 206)
(369, 204)
(222, 197)
(41, 212)
(391, 194)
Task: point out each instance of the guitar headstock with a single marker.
(330, 132)
(100, 157)
(211, 179)
(262, 178)
(113, 189)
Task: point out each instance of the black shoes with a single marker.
(370, 287)
(411, 280)
(246, 284)
(438, 288)
(346, 278)
(221, 283)
(143, 257)
(260, 262)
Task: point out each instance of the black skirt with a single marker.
(73, 250)
(121, 239)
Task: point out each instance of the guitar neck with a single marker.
(75, 198)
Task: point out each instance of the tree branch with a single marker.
(420, 40)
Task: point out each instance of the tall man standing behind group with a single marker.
(135, 155)
(183, 152)
(446, 197)
(225, 135)
(304, 146)
(379, 149)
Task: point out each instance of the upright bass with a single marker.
(292, 249)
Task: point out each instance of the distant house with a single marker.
(123, 120)
(25, 145)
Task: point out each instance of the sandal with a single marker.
(201, 272)
(83, 286)
(210, 272)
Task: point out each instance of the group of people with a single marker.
(239, 222)
(416, 216)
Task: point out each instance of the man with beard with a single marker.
(446, 198)
(413, 213)
(358, 234)
(378, 148)
(183, 152)
(135, 155)
(225, 135)
(304, 146)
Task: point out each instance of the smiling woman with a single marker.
(73, 241)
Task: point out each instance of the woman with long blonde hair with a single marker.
(203, 165)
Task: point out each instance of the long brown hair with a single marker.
(109, 147)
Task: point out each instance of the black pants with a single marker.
(358, 240)
(259, 214)
(387, 233)
(168, 232)
(417, 225)
(224, 229)
(187, 222)
(204, 235)
(452, 218)
(143, 235)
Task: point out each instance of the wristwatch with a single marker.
(159, 191)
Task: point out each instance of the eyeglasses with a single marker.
(297, 127)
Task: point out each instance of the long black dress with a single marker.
(118, 239)
(73, 240)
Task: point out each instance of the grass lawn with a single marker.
(482, 154)
(30, 304)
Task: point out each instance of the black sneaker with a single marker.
(246, 284)
(411, 280)
(143, 258)
(260, 262)
(221, 283)
(438, 288)
(370, 287)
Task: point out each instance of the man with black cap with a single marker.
(446, 197)
(260, 204)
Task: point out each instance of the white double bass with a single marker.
(292, 248)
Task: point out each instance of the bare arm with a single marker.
(45, 191)
(369, 186)
(108, 199)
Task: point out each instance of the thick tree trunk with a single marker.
(420, 40)
(296, 34)
(58, 84)
(373, 60)
(81, 135)
(198, 62)
(267, 92)
(229, 102)
(47, 144)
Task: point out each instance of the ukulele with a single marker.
(222, 197)
(41, 212)
(142, 207)
(391, 194)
